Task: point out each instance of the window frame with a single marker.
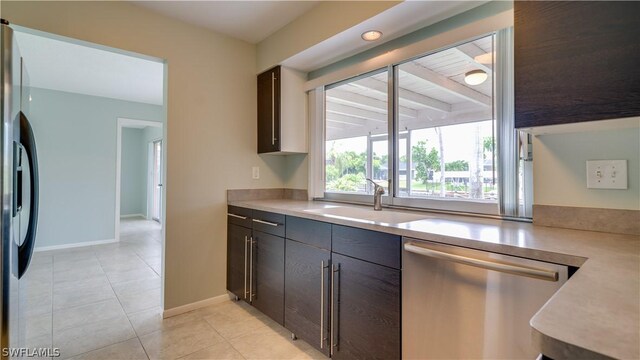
(392, 198)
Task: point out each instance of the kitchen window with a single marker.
(356, 143)
(452, 145)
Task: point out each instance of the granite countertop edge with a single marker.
(567, 326)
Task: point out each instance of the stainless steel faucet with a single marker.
(378, 191)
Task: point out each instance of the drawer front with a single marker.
(373, 246)
(311, 232)
(239, 216)
(270, 223)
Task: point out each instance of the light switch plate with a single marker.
(607, 174)
(255, 172)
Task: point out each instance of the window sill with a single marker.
(367, 200)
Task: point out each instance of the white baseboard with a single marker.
(74, 245)
(195, 305)
(132, 216)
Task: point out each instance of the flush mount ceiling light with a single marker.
(485, 59)
(371, 35)
(475, 77)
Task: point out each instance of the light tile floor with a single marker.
(103, 302)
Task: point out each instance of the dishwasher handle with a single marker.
(505, 267)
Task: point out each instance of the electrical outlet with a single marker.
(607, 174)
(255, 172)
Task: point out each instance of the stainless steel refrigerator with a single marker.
(19, 189)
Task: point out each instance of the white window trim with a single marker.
(316, 143)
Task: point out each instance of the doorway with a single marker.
(150, 136)
(156, 180)
(80, 262)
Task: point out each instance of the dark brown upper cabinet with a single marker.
(576, 61)
(282, 112)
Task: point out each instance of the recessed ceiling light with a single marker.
(371, 35)
(475, 77)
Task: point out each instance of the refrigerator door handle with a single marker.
(25, 251)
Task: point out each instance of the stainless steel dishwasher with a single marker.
(459, 303)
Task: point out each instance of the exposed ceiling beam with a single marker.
(445, 84)
(345, 119)
(426, 121)
(435, 119)
(335, 126)
(332, 107)
(469, 51)
(350, 124)
(347, 133)
(358, 100)
(467, 107)
(420, 100)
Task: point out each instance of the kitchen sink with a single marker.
(369, 215)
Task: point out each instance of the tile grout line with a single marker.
(125, 314)
(106, 346)
(146, 263)
(92, 252)
(85, 304)
(149, 266)
(224, 340)
(128, 315)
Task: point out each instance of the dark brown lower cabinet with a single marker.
(306, 312)
(366, 311)
(268, 275)
(346, 307)
(238, 238)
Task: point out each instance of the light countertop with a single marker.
(596, 314)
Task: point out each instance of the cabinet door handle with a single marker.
(237, 216)
(322, 338)
(334, 341)
(273, 108)
(251, 242)
(265, 222)
(246, 240)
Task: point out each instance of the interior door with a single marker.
(156, 211)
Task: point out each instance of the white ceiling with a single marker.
(395, 22)
(251, 21)
(60, 65)
(64, 66)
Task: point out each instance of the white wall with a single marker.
(560, 168)
(76, 143)
(325, 20)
